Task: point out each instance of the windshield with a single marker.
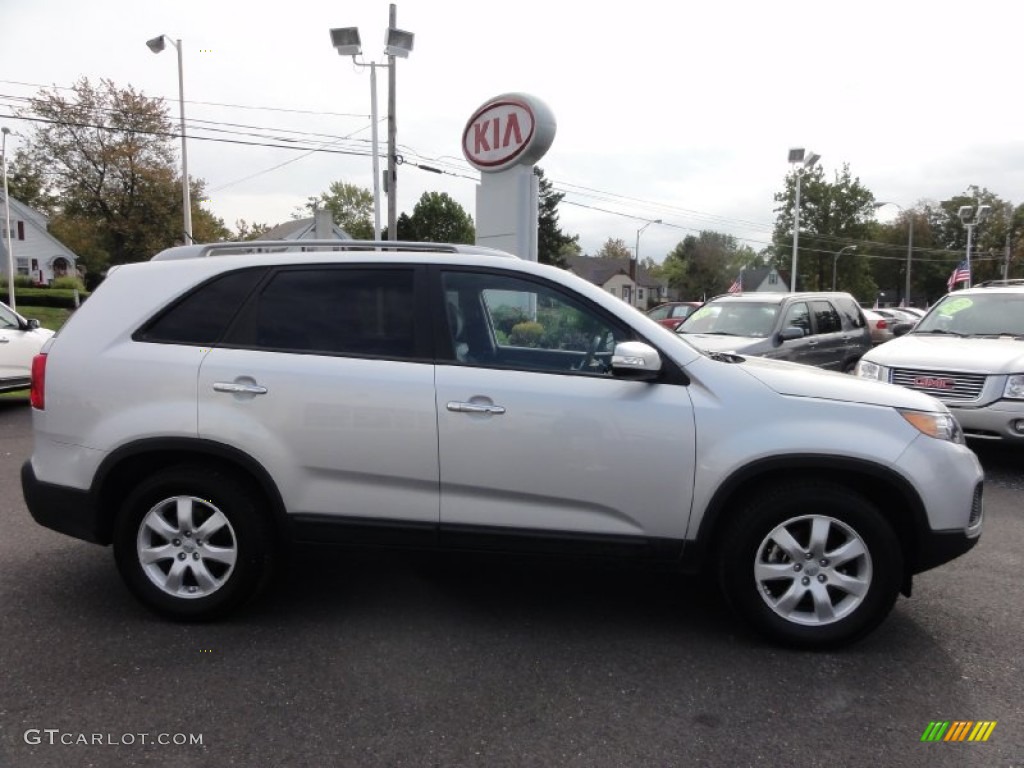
(752, 319)
(992, 314)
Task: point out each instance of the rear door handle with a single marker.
(456, 407)
(239, 389)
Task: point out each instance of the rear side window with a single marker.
(359, 311)
(826, 319)
(851, 313)
(204, 314)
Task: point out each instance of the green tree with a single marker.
(553, 245)
(833, 214)
(351, 208)
(437, 218)
(706, 264)
(107, 154)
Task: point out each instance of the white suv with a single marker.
(968, 352)
(199, 413)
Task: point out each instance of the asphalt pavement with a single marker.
(393, 660)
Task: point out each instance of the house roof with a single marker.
(38, 222)
(599, 270)
(301, 229)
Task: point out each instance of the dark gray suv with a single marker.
(827, 330)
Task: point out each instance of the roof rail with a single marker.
(203, 250)
(997, 283)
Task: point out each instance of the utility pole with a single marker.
(392, 130)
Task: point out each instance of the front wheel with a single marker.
(812, 565)
(192, 543)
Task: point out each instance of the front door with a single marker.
(538, 442)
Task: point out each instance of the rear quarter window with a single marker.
(202, 315)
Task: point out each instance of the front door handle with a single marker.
(456, 407)
(239, 389)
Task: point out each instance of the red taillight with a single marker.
(37, 394)
(881, 325)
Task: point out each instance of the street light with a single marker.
(835, 260)
(972, 218)
(397, 43)
(7, 224)
(636, 251)
(806, 161)
(910, 241)
(156, 45)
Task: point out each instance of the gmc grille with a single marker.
(947, 386)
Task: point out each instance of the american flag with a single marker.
(962, 274)
(737, 284)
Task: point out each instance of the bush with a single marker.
(43, 297)
(69, 282)
(23, 281)
(526, 334)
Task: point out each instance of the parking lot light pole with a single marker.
(7, 225)
(156, 45)
(397, 43)
(806, 161)
(972, 218)
(636, 251)
(835, 260)
(910, 241)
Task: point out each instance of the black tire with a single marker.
(789, 601)
(187, 578)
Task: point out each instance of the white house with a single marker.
(36, 251)
(318, 227)
(614, 276)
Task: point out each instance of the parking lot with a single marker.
(410, 661)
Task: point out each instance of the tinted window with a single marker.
(851, 312)
(203, 315)
(798, 316)
(826, 319)
(333, 311)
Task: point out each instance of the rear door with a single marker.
(828, 342)
(325, 378)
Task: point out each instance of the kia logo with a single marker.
(930, 382)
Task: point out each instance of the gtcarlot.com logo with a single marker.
(958, 730)
(55, 736)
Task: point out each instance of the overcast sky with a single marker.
(683, 112)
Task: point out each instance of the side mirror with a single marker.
(901, 329)
(636, 360)
(32, 323)
(790, 332)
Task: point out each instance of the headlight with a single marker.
(941, 426)
(1014, 387)
(868, 370)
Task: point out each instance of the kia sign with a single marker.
(512, 129)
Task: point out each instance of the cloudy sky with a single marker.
(682, 112)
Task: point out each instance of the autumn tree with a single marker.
(351, 208)
(615, 248)
(107, 160)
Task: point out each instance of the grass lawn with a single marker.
(48, 317)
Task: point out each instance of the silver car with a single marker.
(199, 414)
(969, 353)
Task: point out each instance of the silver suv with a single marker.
(968, 351)
(201, 413)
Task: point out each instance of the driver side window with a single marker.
(510, 322)
(798, 316)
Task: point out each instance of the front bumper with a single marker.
(992, 422)
(66, 510)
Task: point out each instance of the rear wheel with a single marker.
(193, 543)
(811, 565)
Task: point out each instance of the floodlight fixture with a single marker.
(796, 155)
(346, 41)
(398, 42)
(983, 212)
(156, 44)
(965, 213)
(811, 160)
